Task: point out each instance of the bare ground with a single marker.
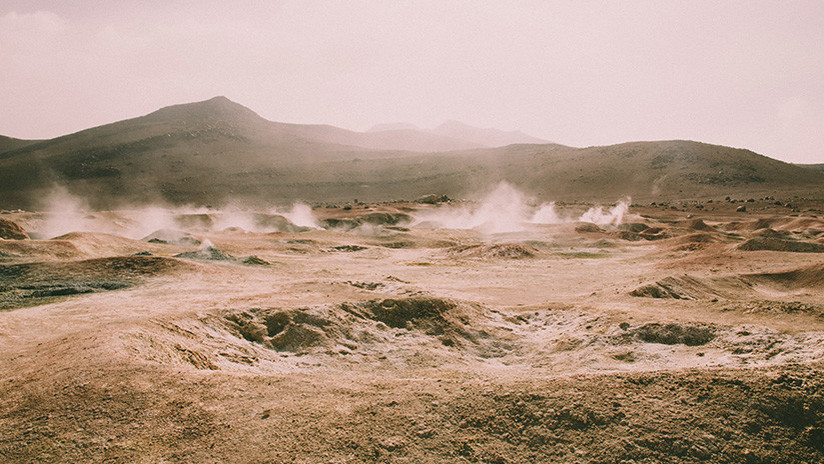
(662, 340)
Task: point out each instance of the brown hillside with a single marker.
(212, 151)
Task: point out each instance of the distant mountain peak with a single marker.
(216, 108)
(484, 136)
(393, 126)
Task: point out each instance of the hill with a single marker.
(10, 143)
(216, 150)
(814, 167)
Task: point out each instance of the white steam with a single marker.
(65, 213)
(502, 210)
(301, 215)
(506, 209)
(615, 216)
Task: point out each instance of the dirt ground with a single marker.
(690, 332)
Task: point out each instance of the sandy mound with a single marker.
(499, 250)
(630, 236)
(386, 219)
(99, 244)
(39, 249)
(276, 223)
(588, 228)
(802, 224)
(171, 237)
(208, 254)
(636, 227)
(770, 233)
(256, 261)
(697, 224)
(121, 266)
(34, 283)
(378, 219)
(692, 288)
(753, 225)
(773, 244)
(403, 326)
(673, 333)
(804, 277)
(10, 230)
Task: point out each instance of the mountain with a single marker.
(393, 126)
(483, 137)
(213, 151)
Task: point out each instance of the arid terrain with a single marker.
(499, 331)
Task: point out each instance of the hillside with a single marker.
(814, 167)
(212, 151)
(10, 143)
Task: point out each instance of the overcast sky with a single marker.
(747, 73)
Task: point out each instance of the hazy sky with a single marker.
(741, 73)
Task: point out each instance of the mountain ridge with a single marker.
(217, 150)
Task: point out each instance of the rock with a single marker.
(432, 199)
(295, 337)
(10, 230)
(588, 227)
(741, 209)
(255, 261)
(208, 253)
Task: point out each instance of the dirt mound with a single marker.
(371, 327)
(339, 224)
(752, 225)
(201, 221)
(171, 237)
(39, 249)
(384, 219)
(691, 288)
(208, 254)
(697, 224)
(802, 224)
(655, 233)
(388, 219)
(10, 230)
(674, 334)
(121, 266)
(498, 250)
(629, 236)
(33, 283)
(401, 313)
(100, 244)
(699, 238)
(346, 248)
(277, 223)
(256, 261)
(770, 233)
(804, 277)
(773, 244)
(636, 227)
(588, 227)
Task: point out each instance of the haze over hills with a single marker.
(469, 136)
(216, 150)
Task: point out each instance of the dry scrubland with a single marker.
(689, 332)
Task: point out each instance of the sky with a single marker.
(746, 74)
